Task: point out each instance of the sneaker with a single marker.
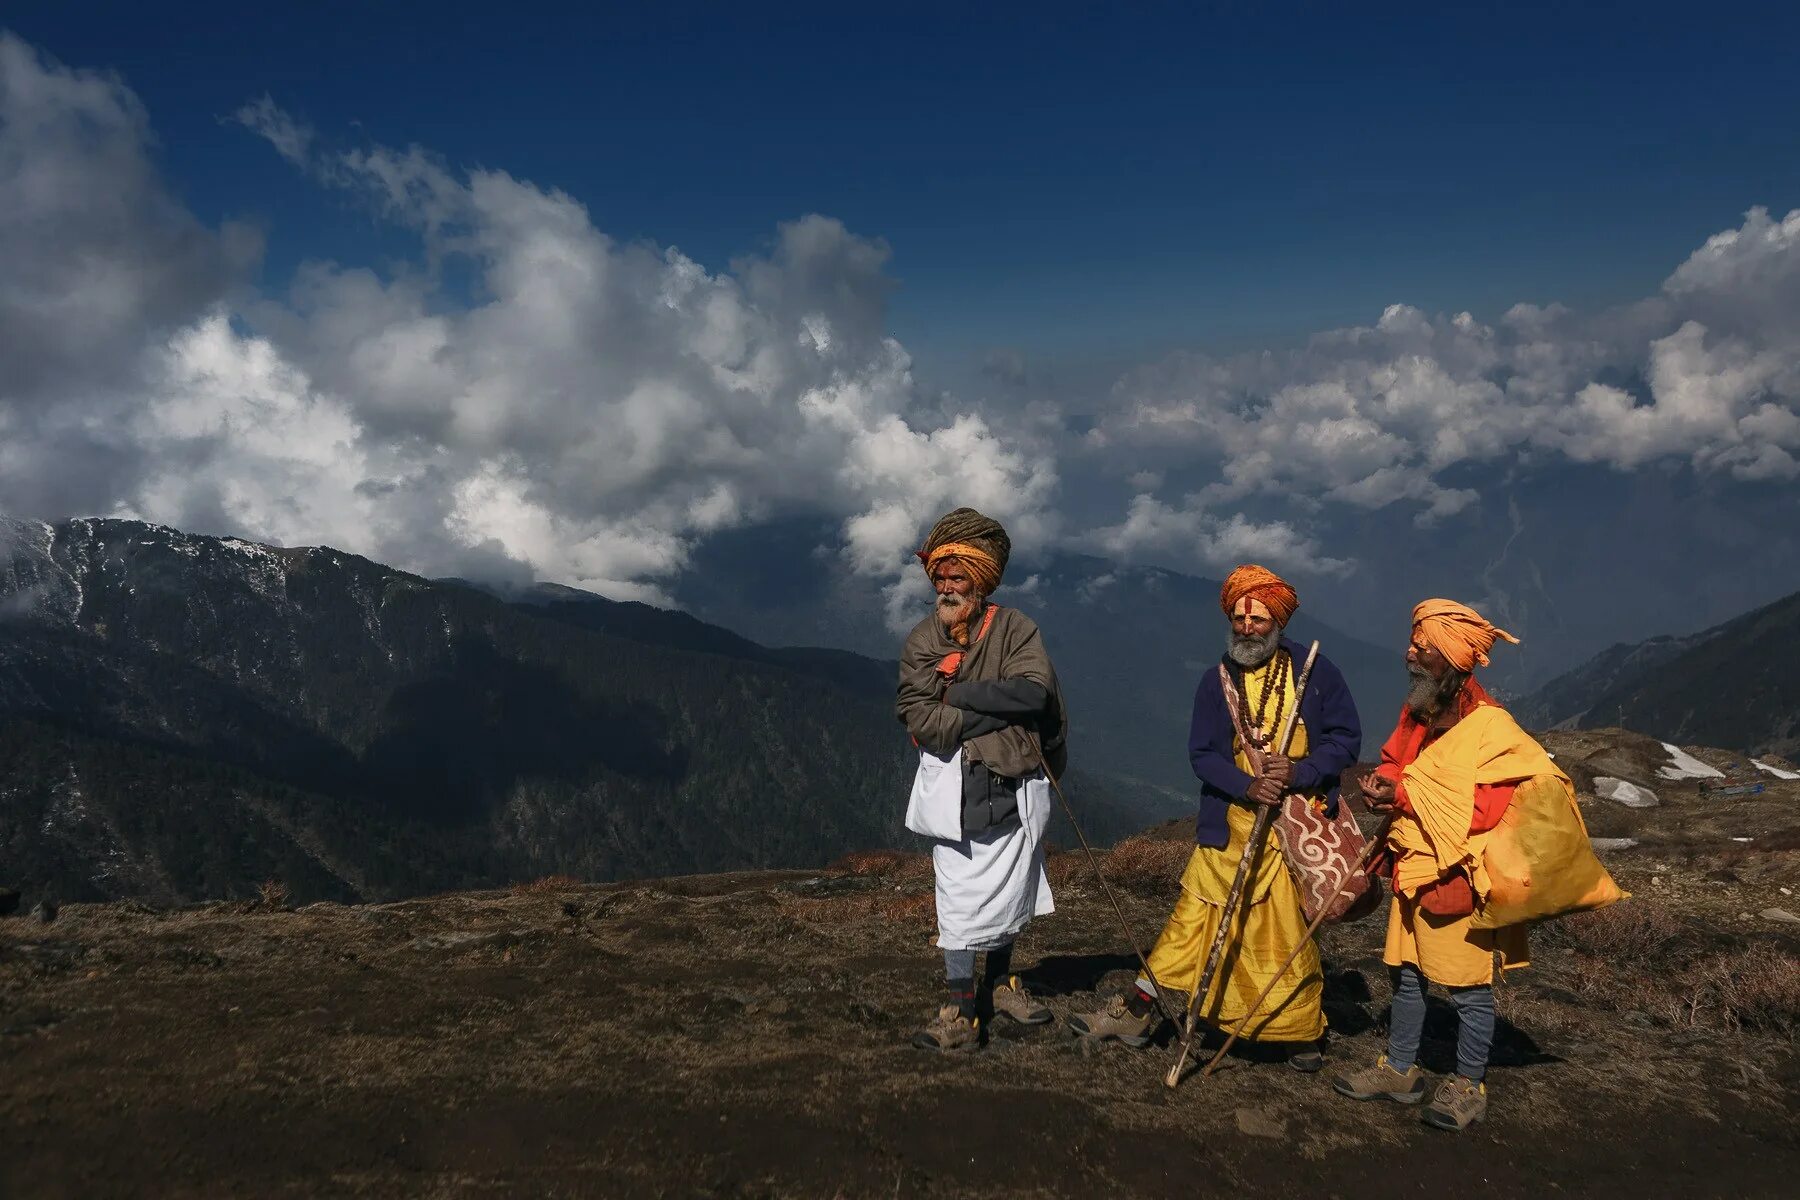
(1012, 1000)
(1115, 1021)
(1382, 1082)
(949, 1030)
(1457, 1104)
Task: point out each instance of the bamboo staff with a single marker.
(1368, 853)
(1265, 814)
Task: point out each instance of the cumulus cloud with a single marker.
(592, 412)
(99, 265)
(588, 410)
(1707, 372)
(1191, 532)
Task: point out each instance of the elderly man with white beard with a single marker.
(979, 696)
(1239, 706)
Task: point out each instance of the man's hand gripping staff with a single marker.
(1266, 789)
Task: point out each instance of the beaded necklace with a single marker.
(1278, 667)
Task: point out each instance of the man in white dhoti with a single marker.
(979, 696)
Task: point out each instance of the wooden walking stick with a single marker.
(1265, 815)
(1368, 853)
(1124, 925)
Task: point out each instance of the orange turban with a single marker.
(1259, 583)
(980, 542)
(1458, 632)
(982, 567)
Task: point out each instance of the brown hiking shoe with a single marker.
(1382, 1082)
(949, 1030)
(1012, 1000)
(1115, 1021)
(1458, 1104)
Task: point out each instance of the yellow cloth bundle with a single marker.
(1536, 864)
(1539, 861)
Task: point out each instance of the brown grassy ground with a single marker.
(746, 1035)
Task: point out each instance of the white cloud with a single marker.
(598, 407)
(1192, 532)
(1707, 372)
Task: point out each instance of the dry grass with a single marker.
(1630, 937)
(1639, 957)
(548, 884)
(918, 908)
(907, 909)
(1780, 841)
(1756, 987)
(272, 894)
(895, 865)
(1068, 867)
(1145, 863)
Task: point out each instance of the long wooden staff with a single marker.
(1265, 814)
(1094, 862)
(1243, 1023)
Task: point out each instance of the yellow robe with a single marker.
(1268, 925)
(1487, 746)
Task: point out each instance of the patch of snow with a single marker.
(1621, 792)
(1683, 765)
(1777, 772)
(265, 572)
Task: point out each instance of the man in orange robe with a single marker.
(1448, 773)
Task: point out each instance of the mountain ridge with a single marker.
(189, 715)
(1733, 684)
(491, 743)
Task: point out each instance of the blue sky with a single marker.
(565, 293)
(1059, 180)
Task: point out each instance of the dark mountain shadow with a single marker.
(651, 626)
(455, 743)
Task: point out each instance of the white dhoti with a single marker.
(990, 885)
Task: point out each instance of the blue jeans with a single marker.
(1474, 1026)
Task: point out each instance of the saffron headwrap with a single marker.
(981, 565)
(980, 542)
(1262, 584)
(1458, 632)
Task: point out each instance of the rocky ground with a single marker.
(747, 1035)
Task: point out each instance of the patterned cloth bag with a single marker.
(1322, 852)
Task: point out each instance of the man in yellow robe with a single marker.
(1453, 765)
(1239, 709)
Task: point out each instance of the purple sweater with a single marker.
(1333, 742)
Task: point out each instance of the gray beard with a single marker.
(1250, 651)
(958, 610)
(1430, 695)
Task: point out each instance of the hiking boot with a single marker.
(949, 1030)
(1457, 1104)
(1114, 1021)
(1307, 1058)
(1012, 1000)
(1382, 1082)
